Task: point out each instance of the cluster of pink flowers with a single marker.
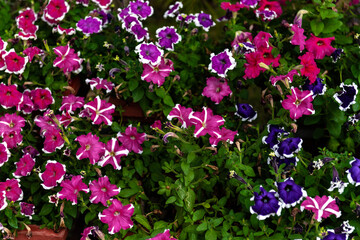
(25, 22)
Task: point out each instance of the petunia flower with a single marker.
(337, 54)
(3, 202)
(186, 18)
(53, 140)
(182, 114)
(216, 89)
(298, 37)
(3, 45)
(141, 9)
(53, 174)
(11, 122)
(24, 166)
(261, 40)
(317, 87)
(222, 62)
(266, 14)
(299, 103)
(67, 59)
(268, 58)
(331, 235)
(131, 139)
(71, 189)
(42, 98)
(141, 33)
(45, 122)
(310, 68)
(4, 153)
(14, 63)
(149, 53)
(87, 232)
(102, 190)
(25, 105)
(205, 122)
(9, 96)
(168, 37)
(173, 10)
(288, 147)
(64, 31)
(336, 182)
(323, 207)
(250, 3)
(271, 6)
(113, 154)
(100, 83)
(245, 111)
(286, 79)
(266, 204)
(12, 139)
(252, 68)
(163, 236)
(56, 10)
(89, 25)
(90, 147)
(157, 73)
(204, 20)
(347, 96)
(275, 132)
(320, 47)
(103, 4)
(100, 111)
(31, 52)
(71, 103)
(27, 209)
(117, 216)
(290, 193)
(31, 150)
(130, 21)
(353, 174)
(225, 135)
(12, 189)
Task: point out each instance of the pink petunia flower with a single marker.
(71, 189)
(71, 103)
(53, 140)
(298, 103)
(3, 202)
(56, 10)
(27, 35)
(131, 139)
(216, 89)
(65, 119)
(182, 114)
(12, 139)
(158, 72)
(113, 154)
(2, 60)
(205, 122)
(323, 207)
(286, 79)
(9, 95)
(298, 37)
(14, 63)
(163, 236)
(67, 59)
(103, 4)
(65, 31)
(100, 111)
(252, 68)
(24, 166)
(117, 216)
(273, 6)
(4, 153)
(12, 189)
(225, 135)
(42, 98)
(25, 105)
(310, 68)
(268, 58)
(53, 174)
(45, 122)
(3, 45)
(31, 52)
(156, 125)
(102, 190)
(90, 147)
(262, 40)
(27, 209)
(320, 46)
(11, 122)
(100, 83)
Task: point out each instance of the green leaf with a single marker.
(133, 84)
(138, 94)
(331, 25)
(71, 210)
(202, 227)
(216, 222)
(328, 13)
(189, 200)
(34, 188)
(49, 79)
(160, 225)
(46, 209)
(168, 101)
(170, 200)
(334, 128)
(199, 214)
(90, 216)
(13, 222)
(210, 234)
(316, 26)
(249, 171)
(191, 157)
(139, 166)
(160, 92)
(26, 73)
(185, 167)
(275, 52)
(143, 221)
(125, 193)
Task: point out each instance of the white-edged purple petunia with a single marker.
(70, 103)
(288, 147)
(222, 62)
(275, 132)
(27, 209)
(290, 193)
(141, 9)
(245, 111)
(317, 87)
(14, 63)
(168, 37)
(204, 20)
(173, 9)
(149, 53)
(89, 25)
(266, 204)
(141, 33)
(347, 96)
(336, 182)
(53, 174)
(100, 111)
(12, 189)
(353, 174)
(103, 4)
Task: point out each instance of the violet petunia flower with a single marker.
(102, 190)
(216, 89)
(353, 174)
(336, 182)
(157, 73)
(117, 216)
(149, 53)
(266, 204)
(249, 3)
(141, 33)
(71, 189)
(89, 25)
(100, 83)
(24, 166)
(87, 232)
(141, 9)
(317, 87)
(337, 54)
(173, 10)
(245, 111)
(347, 96)
(182, 114)
(90, 147)
(53, 174)
(288, 147)
(67, 59)
(113, 154)
(168, 37)
(222, 62)
(205, 122)
(27, 209)
(290, 193)
(299, 103)
(204, 20)
(275, 132)
(323, 207)
(100, 111)
(12, 189)
(131, 139)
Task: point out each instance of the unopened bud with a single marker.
(294, 127)
(263, 65)
(298, 67)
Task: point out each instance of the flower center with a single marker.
(265, 199)
(104, 189)
(218, 89)
(8, 93)
(147, 52)
(297, 102)
(112, 154)
(132, 138)
(266, 55)
(288, 188)
(168, 36)
(116, 213)
(87, 147)
(156, 69)
(320, 43)
(11, 124)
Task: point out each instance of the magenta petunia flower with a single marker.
(224, 135)
(156, 125)
(4, 153)
(24, 166)
(216, 89)
(113, 154)
(2, 61)
(168, 37)
(3, 45)
(131, 139)
(31, 52)
(65, 31)
(27, 209)
(100, 111)
(14, 63)
(67, 59)
(141, 9)
(323, 207)
(53, 140)
(117, 216)
(205, 122)
(25, 105)
(298, 103)
(163, 236)
(139, 32)
(262, 40)
(42, 98)
(182, 114)
(27, 35)
(71, 103)
(310, 68)
(268, 58)
(3, 202)
(222, 62)
(65, 119)
(56, 9)
(100, 83)
(45, 122)
(9, 96)
(90, 147)
(89, 25)
(12, 139)
(103, 4)
(12, 189)
(157, 73)
(87, 232)
(27, 14)
(286, 79)
(102, 190)
(252, 68)
(149, 53)
(11, 122)
(272, 6)
(298, 37)
(320, 47)
(53, 174)
(71, 189)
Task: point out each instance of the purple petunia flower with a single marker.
(24, 166)
(205, 122)
(41, 98)
(67, 59)
(173, 10)
(71, 189)
(90, 147)
(275, 132)
(266, 204)
(89, 25)
(222, 63)
(317, 87)
(117, 216)
(131, 139)
(336, 182)
(113, 154)
(14, 63)
(187, 18)
(53, 174)
(245, 111)
(149, 53)
(141, 9)
(168, 37)
(182, 114)
(87, 232)
(216, 89)
(347, 96)
(141, 33)
(331, 235)
(12, 189)
(337, 54)
(27, 209)
(100, 83)
(100, 111)
(249, 3)
(102, 190)
(71, 103)
(354, 172)
(266, 14)
(290, 193)
(203, 20)
(287, 148)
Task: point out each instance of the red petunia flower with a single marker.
(320, 47)
(310, 68)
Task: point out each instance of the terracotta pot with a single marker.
(42, 234)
